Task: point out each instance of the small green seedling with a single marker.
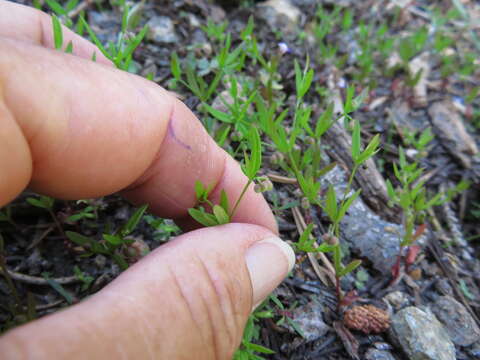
(86, 280)
(222, 213)
(412, 198)
(113, 244)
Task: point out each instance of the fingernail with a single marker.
(268, 262)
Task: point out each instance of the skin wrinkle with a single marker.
(215, 331)
(183, 296)
(226, 301)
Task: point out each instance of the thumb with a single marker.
(188, 299)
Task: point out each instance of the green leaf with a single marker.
(43, 202)
(135, 15)
(349, 268)
(307, 81)
(70, 5)
(69, 48)
(296, 327)
(133, 221)
(202, 217)
(175, 66)
(358, 100)
(95, 40)
(331, 204)
(277, 302)
(298, 77)
(348, 107)
(221, 215)
(219, 115)
(324, 122)
(391, 191)
(133, 44)
(56, 7)
(57, 33)
(58, 288)
(78, 239)
(258, 348)
(224, 201)
(346, 205)
(120, 261)
(370, 150)
(304, 241)
(114, 240)
(200, 191)
(253, 163)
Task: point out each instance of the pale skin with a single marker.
(72, 129)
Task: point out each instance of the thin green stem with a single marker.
(244, 190)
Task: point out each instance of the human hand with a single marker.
(72, 128)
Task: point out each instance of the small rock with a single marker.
(421, 335)
(449, 127)
(397, 299)
(161, 30)
(420, 65)
(382, 346)
(443, 286)
(100, 261)
(375, 354)
(309, 319)
(279, 14)
(457, 320)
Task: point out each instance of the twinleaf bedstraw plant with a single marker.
(411, 196)
(222, 213)
(114, 244)
(336, 210)
(120, 53)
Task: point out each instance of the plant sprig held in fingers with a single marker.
(222, 213)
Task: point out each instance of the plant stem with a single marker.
(338, 291)
(57, 223)
(244, 190)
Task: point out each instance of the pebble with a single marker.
(100, 261)
(421, 335)
(397, 299)
(375, 354)
(457, 321)
(280, 14)
(309, 318)
(161, 30)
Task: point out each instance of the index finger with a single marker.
(92, 130)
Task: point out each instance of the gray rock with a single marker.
(375, 238)
(374, 354)
(457, 321)
(280, 15)
(309, 319)
(421, 335)
(397, 299)
(161, 30)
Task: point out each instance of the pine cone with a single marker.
(367, 319)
